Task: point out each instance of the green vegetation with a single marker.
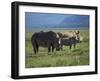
(66, 57)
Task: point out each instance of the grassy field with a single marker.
(74, 57)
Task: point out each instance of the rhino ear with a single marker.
(77, 31)
(59, 41)
(60, 34)
(57, 35)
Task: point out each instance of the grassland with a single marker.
(74, 57)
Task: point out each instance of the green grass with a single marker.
(66, 57)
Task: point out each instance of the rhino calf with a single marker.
(68, 42)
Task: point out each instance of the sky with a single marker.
(55, 20)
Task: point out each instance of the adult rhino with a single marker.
(48, 39)
(70, 34)
(69, 38)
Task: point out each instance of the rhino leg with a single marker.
(37, 48)
(52, 49)
(49, 49)
(34, 46)
(74, 45)
(70, 46)
(34, 49)
(61, 47)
